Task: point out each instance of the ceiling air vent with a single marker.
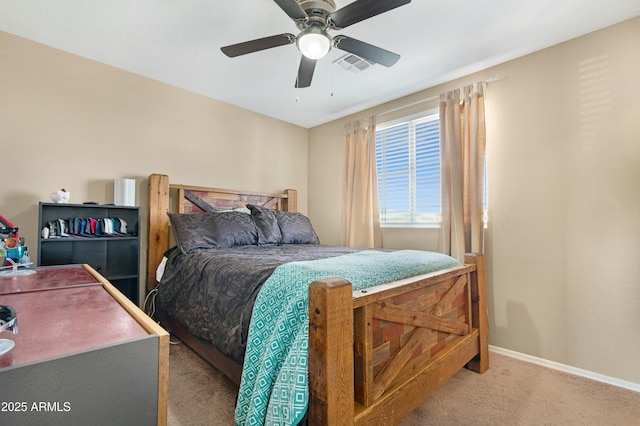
(353, 63)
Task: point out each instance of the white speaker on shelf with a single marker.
(124, 192)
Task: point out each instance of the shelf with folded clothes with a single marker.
(86, 227)
(105, 237)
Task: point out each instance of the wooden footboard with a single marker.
(408, 339)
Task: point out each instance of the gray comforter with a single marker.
(211, 292)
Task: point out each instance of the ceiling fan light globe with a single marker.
(314, 45)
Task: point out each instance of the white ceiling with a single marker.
(178, 42)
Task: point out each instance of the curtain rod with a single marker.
(430, 98)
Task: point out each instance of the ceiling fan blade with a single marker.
(366, 50)
(292, 8)
(256, 45)
(305, 72)
(363, 9)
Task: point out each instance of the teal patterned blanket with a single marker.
(274, 386)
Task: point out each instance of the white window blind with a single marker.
(408, 167)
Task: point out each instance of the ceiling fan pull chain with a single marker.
(333, 59)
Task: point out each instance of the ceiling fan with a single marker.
(315, 18)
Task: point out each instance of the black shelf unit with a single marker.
(117, 258)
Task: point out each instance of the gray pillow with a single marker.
(296, 228)
(212, 230)
(266, 224)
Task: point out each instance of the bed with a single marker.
(375, 351)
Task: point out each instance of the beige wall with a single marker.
(69, 122)
(563, 242)
(563, 160)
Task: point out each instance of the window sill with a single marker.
(410, 226)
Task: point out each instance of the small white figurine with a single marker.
(61, 197)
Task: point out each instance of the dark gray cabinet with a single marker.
(114, 255)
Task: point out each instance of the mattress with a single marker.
(211, 292)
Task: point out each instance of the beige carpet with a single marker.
(512, 392)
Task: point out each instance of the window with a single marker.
(408, 167)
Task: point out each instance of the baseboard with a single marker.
(566, 368)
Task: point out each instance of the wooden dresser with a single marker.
(84, 354)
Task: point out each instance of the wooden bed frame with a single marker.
(374, 354)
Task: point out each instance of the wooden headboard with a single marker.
(165, 197)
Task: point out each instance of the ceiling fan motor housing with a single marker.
(318, 12)
(328, 6)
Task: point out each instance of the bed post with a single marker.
(291, 202)
(480, 363)
(331, 394)
(158, 238)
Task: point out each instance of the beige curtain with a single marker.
(361, 221)
(462, 140)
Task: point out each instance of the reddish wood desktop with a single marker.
(49, 277)
(69, 309)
